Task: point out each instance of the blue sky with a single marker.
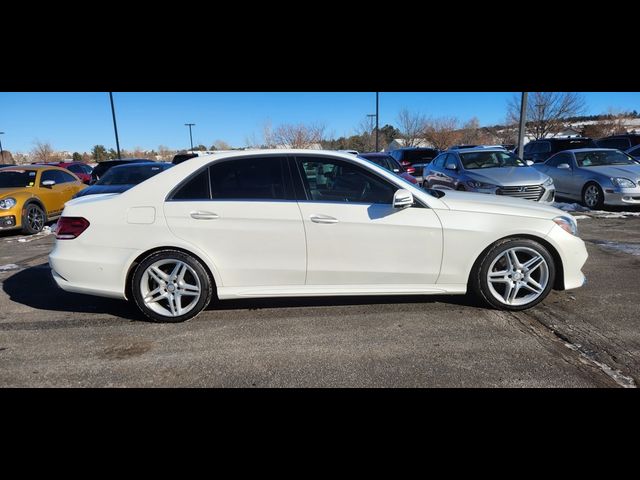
(77, 121)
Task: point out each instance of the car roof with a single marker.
(582, 150)
(37, 167)
(476, 150)
(143, 164)
(564, 139)
(375, 154)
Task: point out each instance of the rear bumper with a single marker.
(83, 270)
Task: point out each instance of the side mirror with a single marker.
(402, 198)
(529, 162)
(48, 183)
(451, 166)
(564, 166)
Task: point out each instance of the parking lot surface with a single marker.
(587, 337)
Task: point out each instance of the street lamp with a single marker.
(1, 151)
(115, 126)
(190, 136)
(523, 124)
(377, 122)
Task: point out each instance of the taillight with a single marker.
(410, 170)
(71, 227)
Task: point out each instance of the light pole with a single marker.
(370, 117)
(1, 151)
(115, 126)
(523, 123)
(190, 137)
(377, 120)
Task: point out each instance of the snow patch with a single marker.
(8, 267)
(576, 207)
(630, 248)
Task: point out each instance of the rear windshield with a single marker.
(560, 145)
(130, 175)
(600, 158)
(17, 178)
(419, 156)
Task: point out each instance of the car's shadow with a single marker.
(35, 288)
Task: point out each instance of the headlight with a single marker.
(568, 224)
(7, 203)
(623, 182)
(474, 184)
(548, 182)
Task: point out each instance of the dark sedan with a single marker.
(103, 167)
(123, 177)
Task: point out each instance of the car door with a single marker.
(562, 177)
(242, 212)
(72, 185)
(355, 236)
(434, 171)
(52, 196)
(449, 177)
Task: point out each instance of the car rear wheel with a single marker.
(593, 196)
(514, 274)
(171, 286)
(33, 219)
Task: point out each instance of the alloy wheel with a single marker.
(35, 218)
(518, 276)
(170, 287)
(591, 196)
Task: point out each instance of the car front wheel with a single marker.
(514, 274)
(593, 196)
(171, 286)
(33, 219)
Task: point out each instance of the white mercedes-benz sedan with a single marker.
(284, 223)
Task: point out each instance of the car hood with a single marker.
(8, 192)
(498, 204)
(97, 189)
(508, 176)
(632, 172)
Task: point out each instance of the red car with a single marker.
(80, 169)
(389, 163)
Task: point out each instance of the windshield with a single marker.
(17, 178)
(129, 175)
(600, 158)
(475, 160)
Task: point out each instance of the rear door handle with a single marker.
(323, 219)
(204, 215)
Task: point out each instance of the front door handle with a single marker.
(323, 219)
(204, 215)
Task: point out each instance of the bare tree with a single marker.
(472, 134)
(165, 153)
(221, 145)
(296, 136)
(42, 152)
(546, 111)
(442, 132)
(412, 127)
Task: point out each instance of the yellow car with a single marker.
(32, 195)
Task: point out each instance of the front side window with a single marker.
(328, 180)
(438, 162)
(558, 160)
(48, 175)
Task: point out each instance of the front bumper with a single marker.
(573, 254)
(622, 196)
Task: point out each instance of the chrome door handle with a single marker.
(323, 219)
(204, 215)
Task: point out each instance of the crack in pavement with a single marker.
(582, 358)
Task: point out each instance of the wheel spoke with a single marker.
(176, 269)
(182, 273)
(158, 275)
(507, 292)
(152, 295)
(532, 264)
(514, 258)
(514, 293)
(533, 286)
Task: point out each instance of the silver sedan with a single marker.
(596, 177)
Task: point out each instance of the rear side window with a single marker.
(248, 179)
(196, 188)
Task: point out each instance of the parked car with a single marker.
(103, 167)
(123, 177)
(413, 159)
(620, 142)
(386, 161)
(488, 171)
(634, 152)
(596, 176)
(183, 157)
(540, 150)
(241, 225)
(79, 169)
(32, 195)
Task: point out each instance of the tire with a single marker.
(188, 289)
(33, 219)
(461, 188)
(499, 293)
(592, 196)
